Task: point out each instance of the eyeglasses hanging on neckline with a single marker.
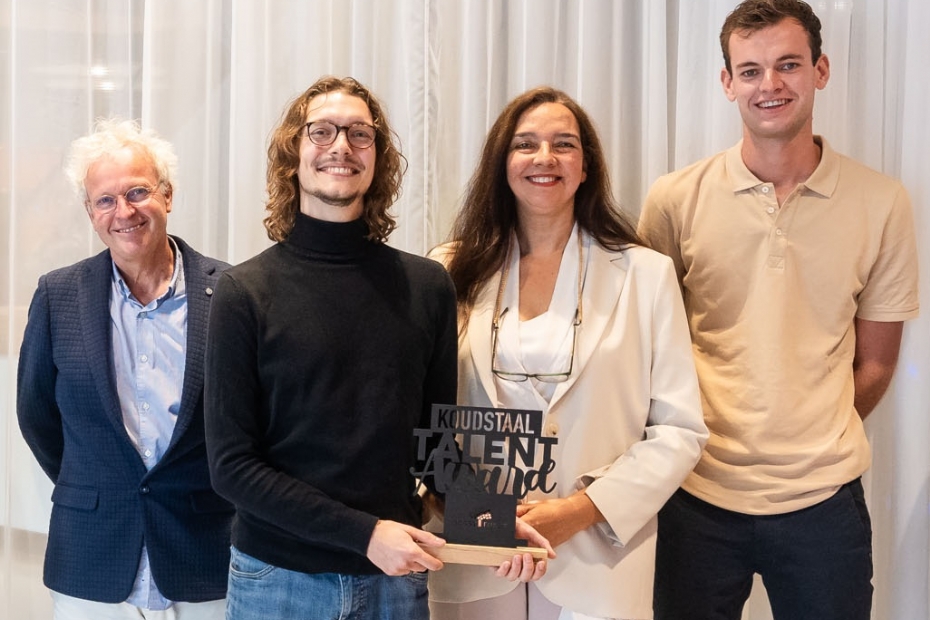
(545, 377)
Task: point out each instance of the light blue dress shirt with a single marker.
(149, 345)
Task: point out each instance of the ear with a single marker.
(822, 71)
(86, 203)
(169, 194)
(726, 80)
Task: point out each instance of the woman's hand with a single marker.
(522, 567)
(560, 519)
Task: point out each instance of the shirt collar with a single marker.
(822, 181)
(174, 286)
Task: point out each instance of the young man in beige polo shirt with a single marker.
(798, 266)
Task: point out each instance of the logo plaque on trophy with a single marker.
(484, 460)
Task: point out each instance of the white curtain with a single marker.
(213, 77)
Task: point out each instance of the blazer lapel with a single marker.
(94, 307)
(198, 283)
(604, 278)
(479, 334)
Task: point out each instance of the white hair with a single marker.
(110, 135)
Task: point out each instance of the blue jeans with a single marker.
(816, 563)
(261, 591)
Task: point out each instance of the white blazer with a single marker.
(629, 429)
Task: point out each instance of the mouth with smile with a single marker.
(342, 169)
(130, 229)
(543, 180)
(774, 103)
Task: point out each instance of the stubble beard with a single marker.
(335, 201)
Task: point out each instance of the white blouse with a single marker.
(542, 344)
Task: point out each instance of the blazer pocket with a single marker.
(209, 501)
(81, 498)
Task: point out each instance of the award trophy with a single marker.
(499, 457)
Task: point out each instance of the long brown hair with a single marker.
(284, 160)
(484, 225)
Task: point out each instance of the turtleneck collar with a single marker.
(333, 240)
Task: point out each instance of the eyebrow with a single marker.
(356, 121)
(780, 59)
(526, 134)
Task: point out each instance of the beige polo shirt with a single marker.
(771, 294)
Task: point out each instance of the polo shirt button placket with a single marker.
(768, 198)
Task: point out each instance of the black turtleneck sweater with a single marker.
(324, 353)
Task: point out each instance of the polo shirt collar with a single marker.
(822, 181)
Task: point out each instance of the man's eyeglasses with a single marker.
(545, 377)
(136, 196)
(324, 133)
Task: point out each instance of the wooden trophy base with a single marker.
(481, 555)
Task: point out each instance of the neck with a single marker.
(148, 277)
(784, 163)
(544, 235)
(334, 240)
(331, 210)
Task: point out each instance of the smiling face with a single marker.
(774, 81)
(134, 233)
(333, 179)
(545, 164)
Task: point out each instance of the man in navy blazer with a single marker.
(110, 398)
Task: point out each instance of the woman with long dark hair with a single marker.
(562, 309)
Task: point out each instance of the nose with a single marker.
(341, 143)
(770, 80)
(123, 206)
(544, 156)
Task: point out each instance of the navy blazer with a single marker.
(105, 503)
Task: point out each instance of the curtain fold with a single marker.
(214, 76)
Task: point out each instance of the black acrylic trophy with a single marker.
(484, 460)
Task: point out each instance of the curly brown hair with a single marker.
(483, 227)
(284, 160)
(754, 15)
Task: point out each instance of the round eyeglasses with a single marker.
(324, 133)
(136, 196)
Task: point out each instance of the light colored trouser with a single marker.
(70, 608)
(525, 602)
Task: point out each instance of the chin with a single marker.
(338, 200)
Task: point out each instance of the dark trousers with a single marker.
(816, 563)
